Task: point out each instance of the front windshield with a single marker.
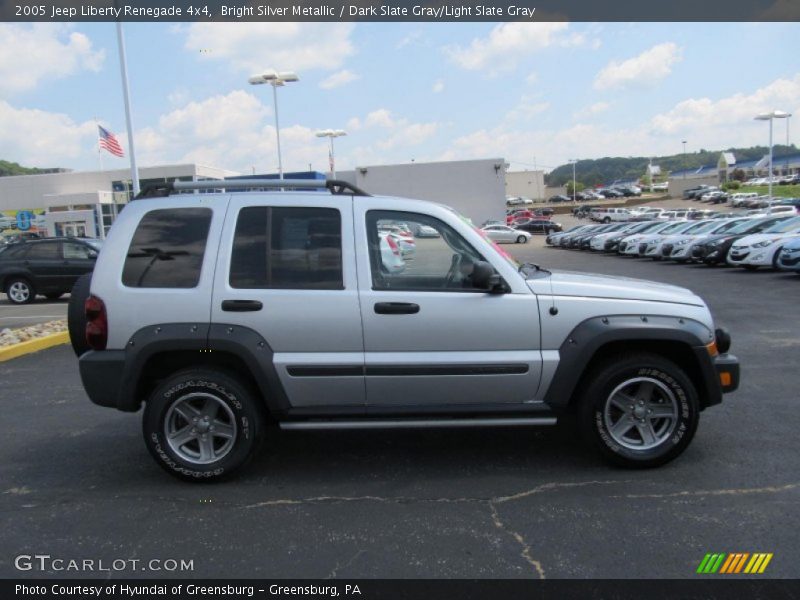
(785, 227)
(707, 226)
(675, 227)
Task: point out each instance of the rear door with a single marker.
(44, 261)
(78, 259)
(284, 272)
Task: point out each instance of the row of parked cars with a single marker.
(751, 242)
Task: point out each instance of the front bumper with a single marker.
(727, 367)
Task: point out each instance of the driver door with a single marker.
(430, 338)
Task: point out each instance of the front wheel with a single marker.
(639, 410)
(203, 424)
(522, 239)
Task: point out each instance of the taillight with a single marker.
(393, 245)
(96, 323)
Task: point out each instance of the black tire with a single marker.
(54, 295)
(750, 267)
(244, 411)
(596, 393)
(76, 316)
(607, 220)
(522, 239)
(775, 258)
(23, 284)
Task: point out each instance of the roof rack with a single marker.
(335, 186)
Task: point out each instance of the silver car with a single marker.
(503, 234)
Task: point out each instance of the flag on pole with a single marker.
(109, 142)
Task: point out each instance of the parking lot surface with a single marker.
(41, 311)
(77, 481)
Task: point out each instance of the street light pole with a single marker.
(684, 159)
(126, 94)
(330, 134)
(275, 79)
(771, 116)
(574, 161)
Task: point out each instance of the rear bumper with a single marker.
(102, 374)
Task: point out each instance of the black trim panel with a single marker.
(405, 370)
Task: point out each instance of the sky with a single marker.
(535, 94)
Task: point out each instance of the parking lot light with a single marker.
(275, 79)
(771, 116)
(330, 134)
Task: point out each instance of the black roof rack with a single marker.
(335, 186)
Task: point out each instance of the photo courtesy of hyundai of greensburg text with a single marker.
(399, 299)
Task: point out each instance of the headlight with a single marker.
(764, 244)
(633, 240)
(655, 240)
(682, 243)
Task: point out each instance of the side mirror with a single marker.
(484, 277)
(92, 254)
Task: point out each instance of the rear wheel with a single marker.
(203, 424)
(639, 410)
(20, 291)
(522, 239)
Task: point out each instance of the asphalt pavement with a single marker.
(77, 481)
(40, 311)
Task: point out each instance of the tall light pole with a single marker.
(330, 134)
(771, 116)
(126, 94)
(574, 161)
(684, 159)
(276, 80)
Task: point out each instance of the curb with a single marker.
(30, 346)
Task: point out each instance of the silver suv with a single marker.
(228, 311)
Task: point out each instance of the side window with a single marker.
(410, 251)
(287, 248)
(77, 251)
(43, 251)
(167, 249)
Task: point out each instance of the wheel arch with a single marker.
(683, 341)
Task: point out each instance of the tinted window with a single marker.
(287, 248)
(43, 251)
(167, 249)
(15, 251)
(72, 250)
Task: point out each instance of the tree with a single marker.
(579, 187)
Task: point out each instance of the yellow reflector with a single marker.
(725, 379)
(712, 348)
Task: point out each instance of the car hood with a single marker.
(587, 285)
(760, 237)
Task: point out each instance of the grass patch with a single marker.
(779, 191)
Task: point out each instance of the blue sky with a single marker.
(540, 92)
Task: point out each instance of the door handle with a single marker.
(241, 305)
(396, 308)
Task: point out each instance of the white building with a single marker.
(528, 184)
(85, 203)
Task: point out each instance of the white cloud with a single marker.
(646, 69)
(339, 78)
(526, 109)
(509, 42)
(32, 53)
(438, 87)
(592, 109)
(254, 47)
(38, 138)
(411, 38)
(532, 78)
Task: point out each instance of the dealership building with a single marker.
(86, 203)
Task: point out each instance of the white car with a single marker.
(635, 244)
(762, 249)
(739, 198)
(655, 245)
(679, 247)
(671, 215)
(391, 254)
(598, 242)
(784, 209)
(503, 234)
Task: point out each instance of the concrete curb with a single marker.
(30, 346)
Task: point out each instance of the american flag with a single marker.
(109, 142)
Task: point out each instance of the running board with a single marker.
(417, 423)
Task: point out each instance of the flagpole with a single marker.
(123, 65)
(99, 149)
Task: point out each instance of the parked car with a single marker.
(789, 258)
(343, 342)
(554, 238)
(607, 215)
(650, 246)
(629, 245)
(713, 250)
(762, 249)
(679, 247)
(47, 267)
(503, 234)
(559, 198)
(608, 241)
(539, 225)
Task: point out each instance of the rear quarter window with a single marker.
(167, 249)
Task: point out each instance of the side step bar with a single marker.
(417, 423)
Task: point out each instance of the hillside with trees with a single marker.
(12, 168)
(606, 170)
